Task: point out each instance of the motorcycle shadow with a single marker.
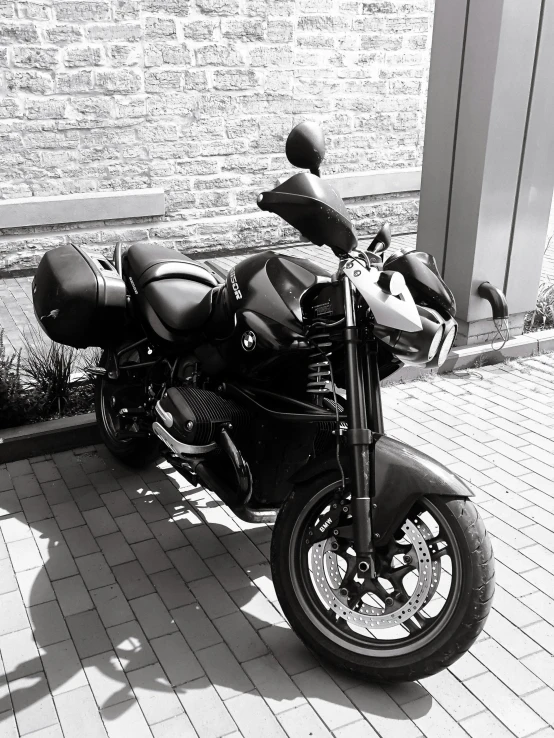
(123, 663)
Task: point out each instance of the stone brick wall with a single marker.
(197, 97)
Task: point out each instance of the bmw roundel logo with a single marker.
(248, 340)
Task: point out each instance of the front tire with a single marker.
(390, 633)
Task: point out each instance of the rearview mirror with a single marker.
(382, 240)
(305, 147)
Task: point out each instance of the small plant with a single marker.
(542, 316)
(49, 367)
(15, 405)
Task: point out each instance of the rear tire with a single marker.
(366, 653)
(135, 452)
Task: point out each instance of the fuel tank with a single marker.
(264, 292)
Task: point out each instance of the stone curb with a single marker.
(66, 433)
(49, 437)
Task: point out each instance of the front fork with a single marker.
(364, 411)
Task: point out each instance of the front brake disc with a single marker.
(327, 577)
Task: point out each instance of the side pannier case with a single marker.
(79, 298)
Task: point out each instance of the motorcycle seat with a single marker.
(146, 264)
(180, 304)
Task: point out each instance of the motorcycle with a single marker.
(264, 387)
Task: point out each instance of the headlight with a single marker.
(419, 347)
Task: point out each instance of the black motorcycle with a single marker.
(265, 388)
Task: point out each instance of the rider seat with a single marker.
(146, 263)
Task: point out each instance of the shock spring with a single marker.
(319, 369)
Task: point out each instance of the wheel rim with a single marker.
(110, 421)
(411, 601)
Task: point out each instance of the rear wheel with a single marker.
(428, 604)
(110, 397)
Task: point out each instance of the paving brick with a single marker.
(176, 727)
(151, 556)
(168, 534)
(131, 646)
(103, 481)
(224, 671)
(177, 659)
(243, 550)
(542, 633)
(513, 609)
(67, 515)
(361, 729)
(73, 476)
(46, 471)
(485, 724)
(118, 503)
(189, 565)
(542, 703)
(205, 542)
(206, 711)
(382, 713)
(154, 694)
(112, 606)
(8, 582)
(132, 580)
(452, 695)
(88, 633)
(27, 486)
(19, 468)
(5, 480)
(87, 498)
(80, 541)
(149, 509)
(24, 555)
(15, 528)
(511, 557)
(63, 668)
(126, 719)
(72, 595)
(330, 703)
(48, 624)
(508, 708)
(228, 572)
(100, 521)
(542, 665)
(94, 570)
(213, 598)
(79, 715)
(153, 616)
(56, 492)
(133, 528)
(170, 586)
(273, 683)
(287, 648)
(32, 703)
(107, 679)
(194, 625)
(20, 654)
(240, 636)
(253, 716)
(36, 508)
(115, 549)
(257, 608)
(12, 613)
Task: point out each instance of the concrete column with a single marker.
(488, 160)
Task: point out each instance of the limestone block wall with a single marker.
(197, 97)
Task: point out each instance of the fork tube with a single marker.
(359, 440)
(372, 386)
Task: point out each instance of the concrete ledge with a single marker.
(468, 357)
(90, 206)
(383, 182)
(48, 437)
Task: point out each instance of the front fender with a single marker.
(402, 476)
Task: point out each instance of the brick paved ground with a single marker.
(133, 605)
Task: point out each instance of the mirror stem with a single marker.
(315, 171)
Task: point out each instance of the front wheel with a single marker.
(425, 609)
